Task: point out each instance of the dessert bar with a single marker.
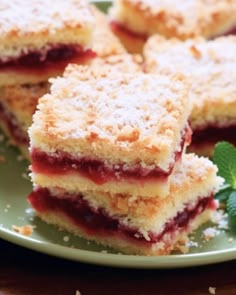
(103, 129)
(135, 20)
(39, 38)
(210, 68)
(136, 225)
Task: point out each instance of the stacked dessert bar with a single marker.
(38, 41)
(210, 68)
(109, 163)
(135, 20)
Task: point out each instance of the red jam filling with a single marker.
(119, 28)
(97, 221)
(96, 170)
(214, 134)
(57, 56)
(17, 134)
(231, 31)
(116, 27)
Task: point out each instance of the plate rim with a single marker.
(119, 260)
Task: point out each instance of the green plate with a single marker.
(15, 210)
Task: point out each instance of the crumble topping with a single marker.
(24, 17)
(102, 113)
(29, 25)
(209, 66)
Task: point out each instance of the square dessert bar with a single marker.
(136, 225)
(39, 38)
(103, 129)
(210, 68)
(135, 20)
(17, 106)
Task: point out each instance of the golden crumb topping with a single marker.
(23, 17)
(26, 25)
(209, 66)
(126, 63)
(125, 111)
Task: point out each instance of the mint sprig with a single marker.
(225, 158)
(231, 208)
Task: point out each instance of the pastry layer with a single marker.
(30, 69)
(118, 63)
(209, 66)
(129, 120)
(38, 40)
(87, 173)
(17, 105)
(136, 225)
(172, 19)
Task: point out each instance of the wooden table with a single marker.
(24, 272)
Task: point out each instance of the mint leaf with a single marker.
(225, 158)
(223, 194)
(231, 208)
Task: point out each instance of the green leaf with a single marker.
(231, 208)
(225, 158)
(223, 194)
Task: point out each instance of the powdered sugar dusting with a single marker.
(211, 73)
(210, 233)
(30, 16)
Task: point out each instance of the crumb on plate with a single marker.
(210, 233)
(2, 159)
(212, 290)
(25, 230)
